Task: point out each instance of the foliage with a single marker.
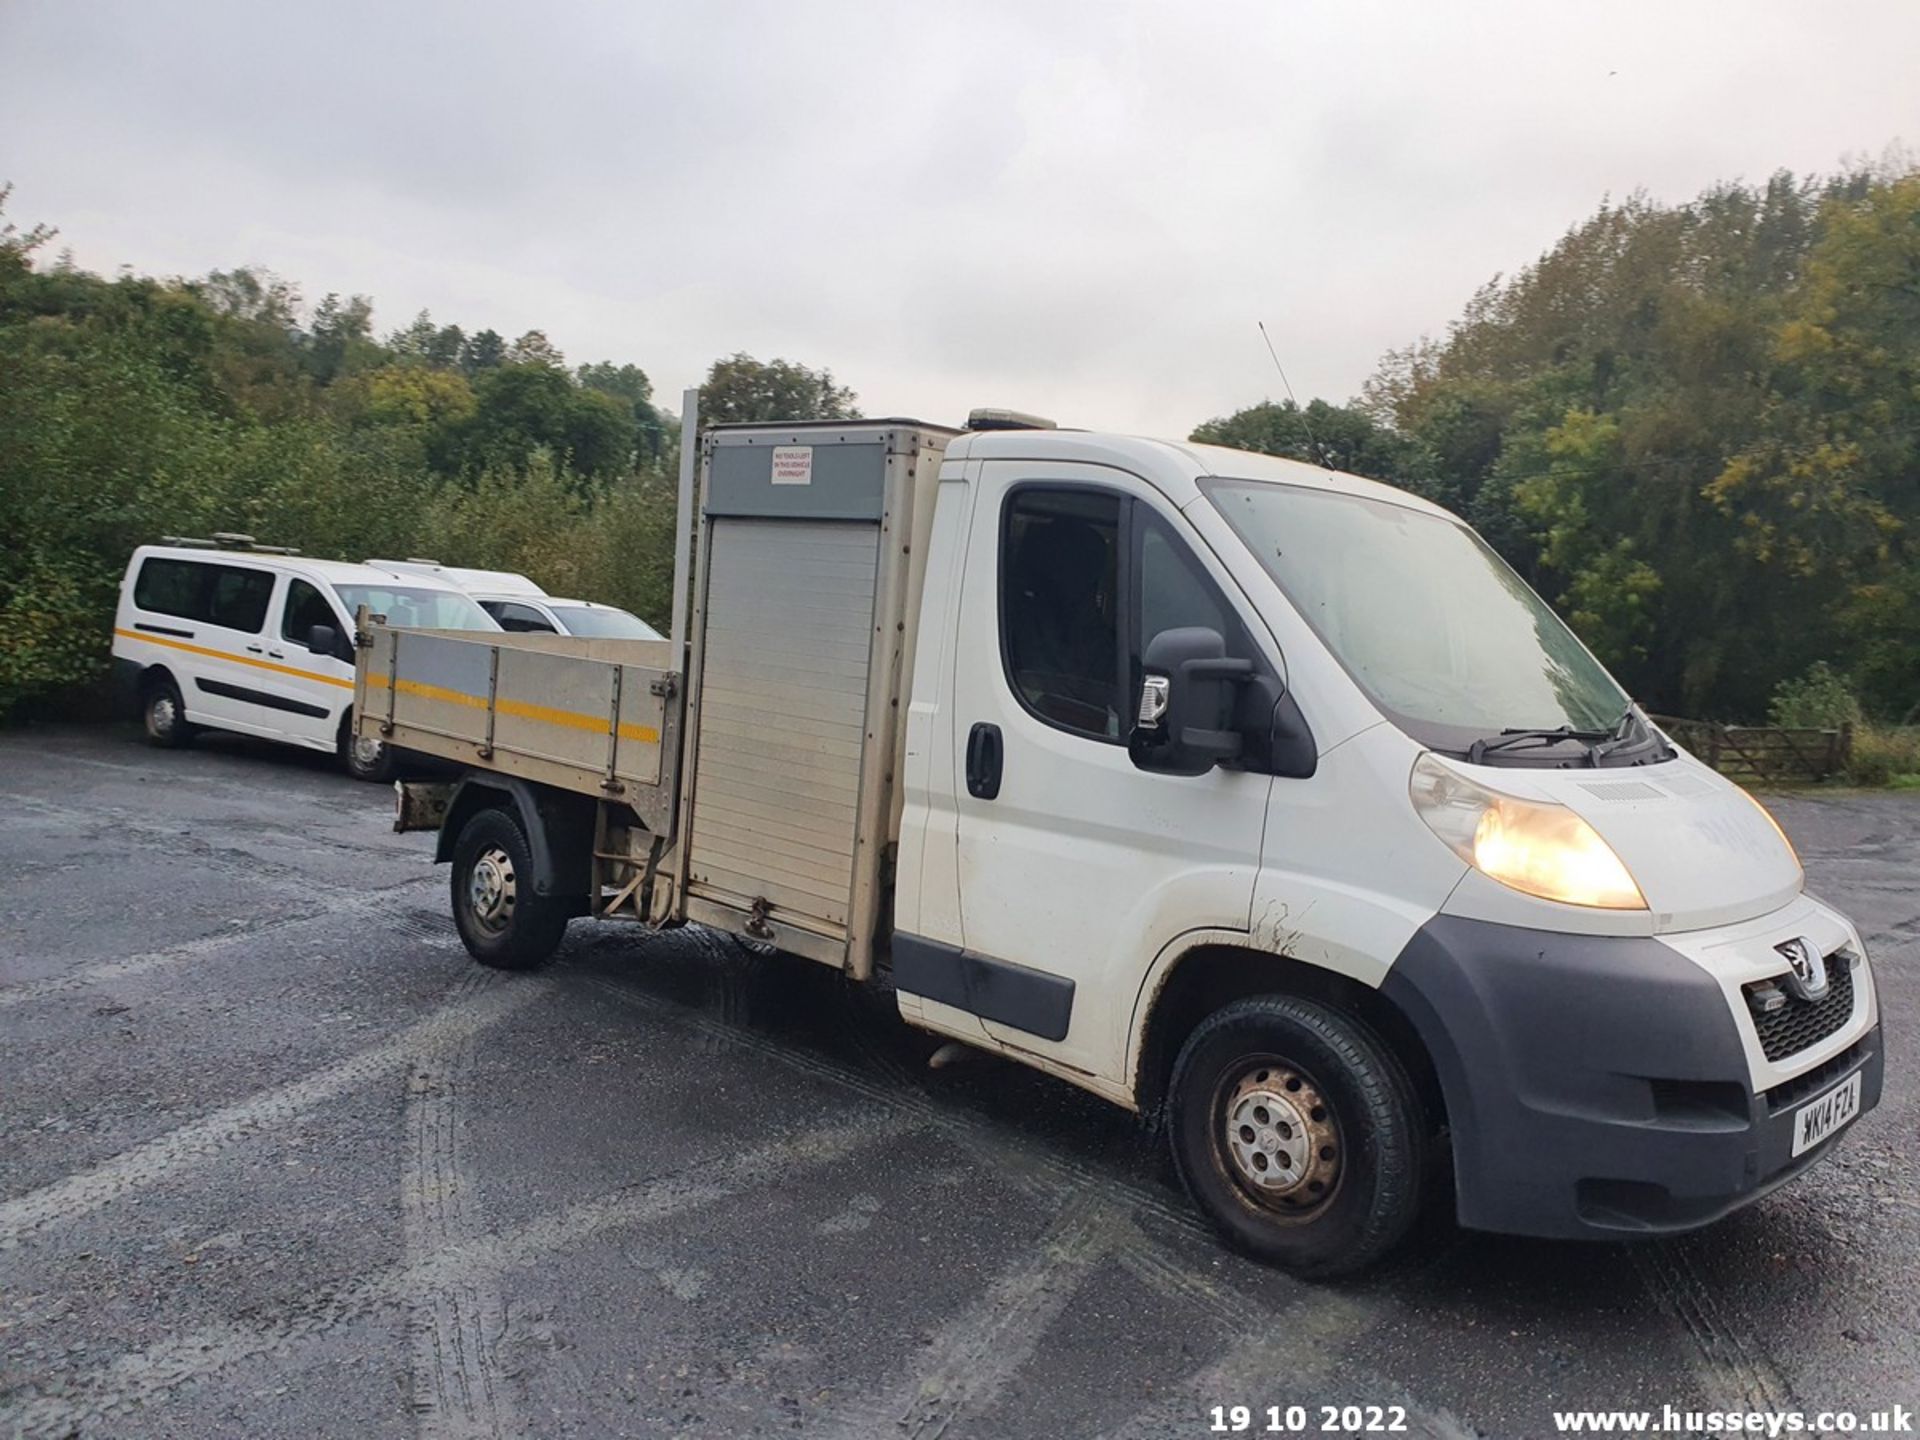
(1695, 428)
(132, 408)
(741, 388)
(1821, 699)
(1340, 436)
(1886, 755)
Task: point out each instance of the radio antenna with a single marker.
(1312, 440)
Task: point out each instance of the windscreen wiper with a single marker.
(1511, 737)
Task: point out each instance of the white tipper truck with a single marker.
(1261, 797)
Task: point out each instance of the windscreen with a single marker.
(417, 609)
(603, 621)
(1435, 627)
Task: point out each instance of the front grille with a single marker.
(1789, 1093)
(1798, 1024)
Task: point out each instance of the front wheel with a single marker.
(503, 922)
(1298, 1133)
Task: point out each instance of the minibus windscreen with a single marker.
(1439, 631)
(417, 609)
(605, 621)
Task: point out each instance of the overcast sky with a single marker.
(1079, 209)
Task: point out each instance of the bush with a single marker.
(1885, 755)
(1821, 699)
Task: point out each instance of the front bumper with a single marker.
(1600, 1086)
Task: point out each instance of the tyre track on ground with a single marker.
(102, 972)
(179, 839)
(121, 1389)
(1042, 1171)
(970, 1359)
(326, 793)
(211, 1135)
(1293, 1362)
(1732, 1365)
(459, 1390)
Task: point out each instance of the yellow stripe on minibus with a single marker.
(236, 659)
(519, 709)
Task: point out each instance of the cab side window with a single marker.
(1173, 591)
(230, 596)
(306, 608)
(1060, 625)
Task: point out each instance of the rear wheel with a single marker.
(164, 714)
(1299, 1134)
(365, 759)
(502, 921)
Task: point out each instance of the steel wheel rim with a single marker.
(161, 714)
(366, 753)
(1277, 1137)
(491, 890)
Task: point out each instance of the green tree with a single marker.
(340, 338)
(742, 389)
(482, 351)
(534, 348)
(629, 384)
(1341, 437)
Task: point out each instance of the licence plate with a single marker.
(1817, 1119)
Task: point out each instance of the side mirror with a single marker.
(324, 640)
(1185, 724)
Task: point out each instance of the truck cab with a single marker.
(1258, 797)
(1206, 730)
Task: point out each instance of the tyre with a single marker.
(370, 760)
(503, 922)
(1298, 1134)
(164, 714)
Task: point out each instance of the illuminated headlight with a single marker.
(1540, 848)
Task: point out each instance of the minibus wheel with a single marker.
(502, 921)
(164, 714)
(1298, 1133)
(370, 760)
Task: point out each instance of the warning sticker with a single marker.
(793, 464)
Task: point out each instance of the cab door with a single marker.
(1076, 867)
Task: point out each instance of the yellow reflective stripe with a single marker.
(519, 709)
(146, 639)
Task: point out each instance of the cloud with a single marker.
(1076, 208)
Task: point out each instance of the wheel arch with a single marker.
(1213, 970)
(151, 675)
(558, 825)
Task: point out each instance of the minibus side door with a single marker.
(297, 691)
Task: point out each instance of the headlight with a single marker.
(1542, 849)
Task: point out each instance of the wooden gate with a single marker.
(1763, 752)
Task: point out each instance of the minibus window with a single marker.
(1439, 631)
(413, 609)
(606, 622)
(230, 596)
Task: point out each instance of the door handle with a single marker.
(985, 754)
(254, 650)
(277, 655)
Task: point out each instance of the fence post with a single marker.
(1844, 760)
